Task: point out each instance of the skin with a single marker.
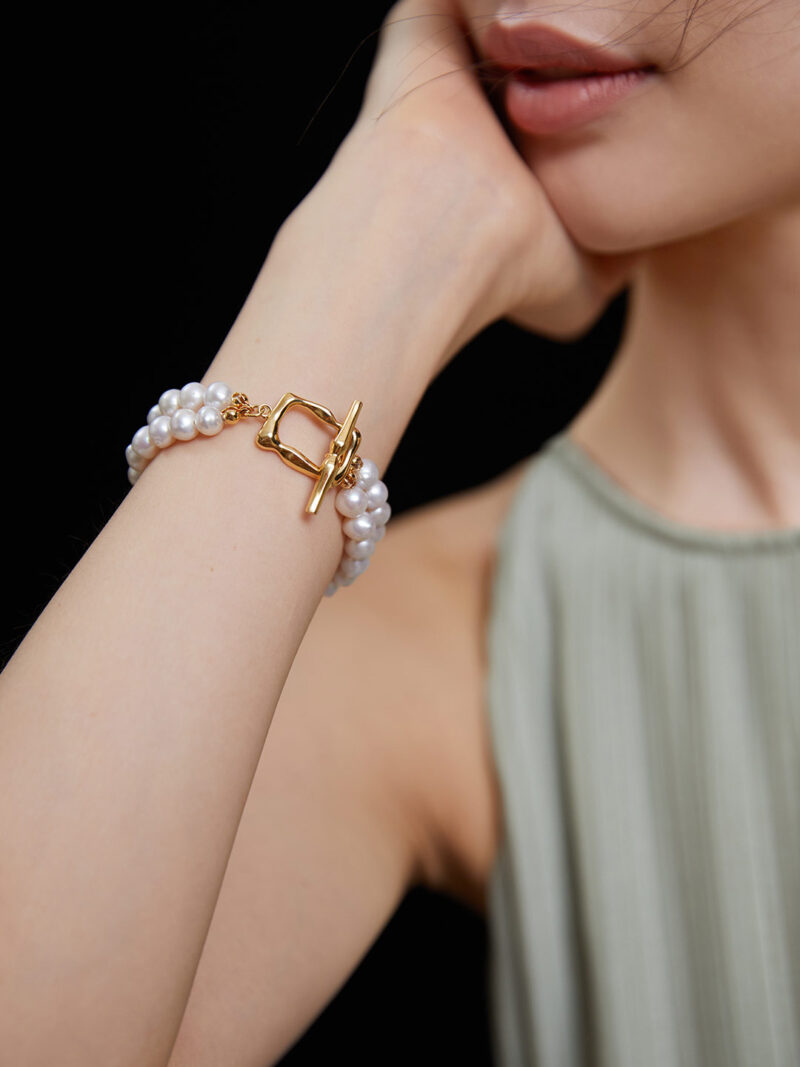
(706, 381)
(707, 378)
(240, 882)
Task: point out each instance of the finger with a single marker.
(421, 43)
(603, 277)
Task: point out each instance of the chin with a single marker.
(595, 227)
(613, 224)
(617, 201)
(608, 202)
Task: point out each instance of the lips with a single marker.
(553, 82)
(545, 52)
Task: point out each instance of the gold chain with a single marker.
(241, 408)
(349, 480)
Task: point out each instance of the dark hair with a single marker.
(747, 9)
(492, 79)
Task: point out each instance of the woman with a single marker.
(624, 802)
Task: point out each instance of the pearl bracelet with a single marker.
(361, 500)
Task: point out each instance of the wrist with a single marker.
(371, 285)
(413, 237)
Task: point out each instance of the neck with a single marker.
(699, 413)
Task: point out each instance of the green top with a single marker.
(643, 694)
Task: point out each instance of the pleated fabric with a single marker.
(643, 694)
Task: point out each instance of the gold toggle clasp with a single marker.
(337, 460)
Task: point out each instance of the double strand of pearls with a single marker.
(182, 414)
(365, 509)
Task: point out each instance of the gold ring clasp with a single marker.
(336, 462)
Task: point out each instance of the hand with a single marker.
(422, 87)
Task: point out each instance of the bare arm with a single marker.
(341, 818)
(135, 711)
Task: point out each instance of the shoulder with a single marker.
(420, 611)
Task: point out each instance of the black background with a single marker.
(154, 154)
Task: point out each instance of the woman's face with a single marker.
(697, 147)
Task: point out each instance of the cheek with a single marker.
(699, 149)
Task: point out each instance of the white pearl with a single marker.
(161, 431)
(183, 427)
(208, 420)
(351, 568)
(134, 459)
(359, 549)
(377, 494)
(153, 413)
(193, 396)
(361, 526)
(379, 534)
(218, 395)
(133, 475)
(351, 502)
(341, 577)
(331, 588)
(170, 401)
(367, 474)
(143, 443)
(381, 514)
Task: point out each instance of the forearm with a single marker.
(134, 712)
